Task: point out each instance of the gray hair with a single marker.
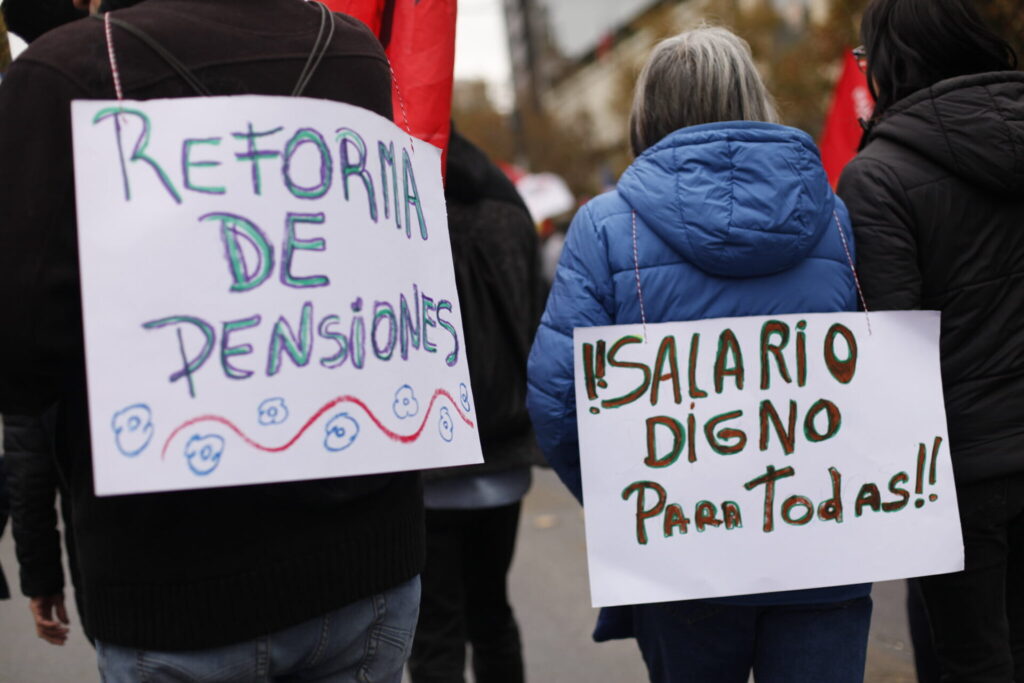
(699, 76)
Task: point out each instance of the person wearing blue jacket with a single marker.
(724, 213)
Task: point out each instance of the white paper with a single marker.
(885, 419)
(284, 223)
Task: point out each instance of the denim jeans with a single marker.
(697, 642)
(365, 642)
(977, 615)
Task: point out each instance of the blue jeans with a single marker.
(365, 642)
(696, 641)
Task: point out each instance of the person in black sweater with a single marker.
(937, 202)
(473, 512)
(32, 476)
(33, 482)
(319, 577)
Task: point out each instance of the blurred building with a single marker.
(799, 13)
(577, 60)
(469, 94)
(595, 87)
(534, 57)
(547, 38)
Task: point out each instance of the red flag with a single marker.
(852, 101)
(419, 38)
(370, 12)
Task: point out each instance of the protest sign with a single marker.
(750, 455)
(268, 295)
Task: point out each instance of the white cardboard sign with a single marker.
(268, 295)
(751, 455)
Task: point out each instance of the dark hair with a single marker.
(700, 76)
(913, 44)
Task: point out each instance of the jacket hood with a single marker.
(973, 126)
(736, 199)
(470, 176)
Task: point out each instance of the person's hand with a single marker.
(49, 626)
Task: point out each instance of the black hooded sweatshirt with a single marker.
(497, 272)
(937, 202)
(195, 569)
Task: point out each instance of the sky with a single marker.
(481, 48)
(580, 24)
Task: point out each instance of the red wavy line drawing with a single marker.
(394, 436)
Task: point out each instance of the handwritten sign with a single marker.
(268, 295)
(751, 455)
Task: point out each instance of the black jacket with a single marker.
(199, 569)
(497, 273)
(937, 202)
(34, 481)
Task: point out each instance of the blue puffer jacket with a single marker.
(733, 219)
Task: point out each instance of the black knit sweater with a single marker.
(198, 569)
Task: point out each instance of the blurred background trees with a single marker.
(800, 57)
(1007, 17)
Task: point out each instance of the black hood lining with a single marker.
(978, 152)
(939, 90)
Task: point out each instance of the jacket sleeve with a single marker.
(580, 297)
(39, 307)
(887, 262)
(33, 482)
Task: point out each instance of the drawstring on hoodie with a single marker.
(639, 289)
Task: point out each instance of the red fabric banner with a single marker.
(370, 12)
(419, 38)
(852, 101)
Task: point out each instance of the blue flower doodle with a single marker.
(405, 404)
(203, 453)
(133, 429)
(445, 425)
(464, 397)
(342, 430)
(273, 411)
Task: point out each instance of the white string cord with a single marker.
(639, 289)
(401, 105)
(842, 237)
(115, 72)
(853, 269)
